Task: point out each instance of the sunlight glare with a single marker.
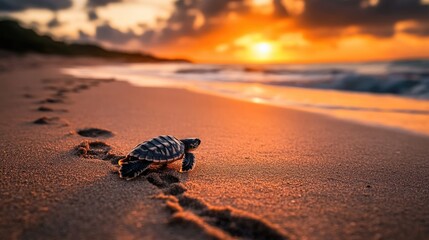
(262, 50)
(261, 2)
(257, 100)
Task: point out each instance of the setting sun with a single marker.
(262, 50)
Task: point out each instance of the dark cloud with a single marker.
(107, 33)
(84, 37)
(181, 22)
(181, 15)
(383, 31)
(186, 14)
(53, 23)
(34, 25)
(320, 18)
(213, 8)
(100, 3)
(419, 30)
(19, 5)
(279, 9)
(376, 20)
(148, 36)
(92, 15)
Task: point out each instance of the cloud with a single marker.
(418, 30)
(374, 19)
(189, 18)
(279, 8)
(192, 18)
(84, 37)
(107, 33)
(148, 36)
(19, 5)
(92, 15)
(212, 8)
(101, 3)
(53, 23)
(319, 18)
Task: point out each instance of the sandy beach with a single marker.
(262, 172)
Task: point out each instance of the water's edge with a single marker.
(379, 110)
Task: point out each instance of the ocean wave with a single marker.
(198, 70)
(418, 86)
(406, 78)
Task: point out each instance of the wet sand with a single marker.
(262, 172)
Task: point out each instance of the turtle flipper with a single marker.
(132, 167)
(188, 162)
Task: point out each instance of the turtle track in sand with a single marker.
(59, 89)
(94, 132)
(28, 95)
(211, 221)
(44, 109)
(51, 101)
(48, 109)
(51, 121)
(188, 211)
(96, 150)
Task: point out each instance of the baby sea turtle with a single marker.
(159, 150)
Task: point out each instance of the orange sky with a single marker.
(229, 44)
(251, 31)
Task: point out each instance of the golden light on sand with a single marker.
(262, 50)
(257, 100)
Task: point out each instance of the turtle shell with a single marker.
(159, 149)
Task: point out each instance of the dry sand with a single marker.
(262, 172)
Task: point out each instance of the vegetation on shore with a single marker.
(15, 38)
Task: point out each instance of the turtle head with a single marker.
(191, 143)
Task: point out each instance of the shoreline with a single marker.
(300, 174)
(320, 113)
(359, 107)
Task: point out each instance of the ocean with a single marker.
(389, 94)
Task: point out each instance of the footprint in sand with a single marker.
(51, 87)
(60, 93)
(44, 109)
(69, 82)
(51, 101)
(29, 96)
(47, 80)
(80, 87)
(94, 132)
(97, 150)
(167, 182)
(58, 90)
(48, 109)
(51, 121)
(75, 85)
(46, 120)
